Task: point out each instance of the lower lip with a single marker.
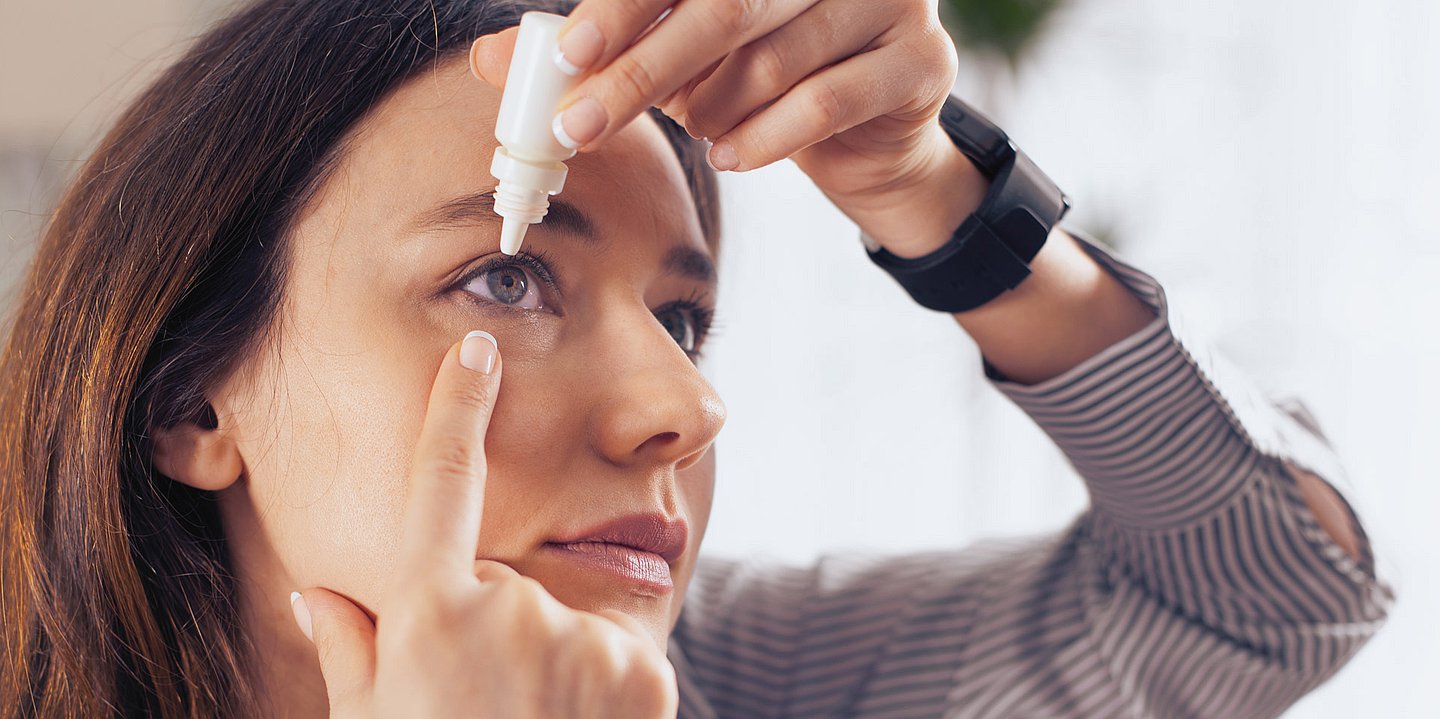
(645, 568)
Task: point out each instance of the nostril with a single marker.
(694, 458)
(660, 440)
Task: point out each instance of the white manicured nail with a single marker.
(561, 136)
(478, 351)
(565, 65)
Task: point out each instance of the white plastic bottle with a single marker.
(529, 163)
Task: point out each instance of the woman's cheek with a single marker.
(697, 488)
(350, 448)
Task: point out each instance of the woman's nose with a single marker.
(653, 406)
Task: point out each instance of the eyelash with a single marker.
(536, 261)
(696, 304)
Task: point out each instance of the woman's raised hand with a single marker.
(460, 636)
(849, 89)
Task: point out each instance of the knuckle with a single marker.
(634, 79)
(651, 685)
(617, 17)
(502, 596)
(477, 396)
(948, 65)
(652, 670)
(902, 9)
(667, 697)
(826, 106)
(627, 672)
(765, 63)
(456, 459)
(489, 571)
(579, 649)
(519, 597)
(575, 653)
(938, 54)
(527, 590)
(739, 16)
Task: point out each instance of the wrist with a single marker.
(918, 212)
(1066, 311)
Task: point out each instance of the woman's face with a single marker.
(601, 412)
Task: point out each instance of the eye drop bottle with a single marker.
(529, 161)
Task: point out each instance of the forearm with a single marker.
(1068, 310)
(1182, 456)
(1065, 312)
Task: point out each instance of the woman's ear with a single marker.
(200, 457)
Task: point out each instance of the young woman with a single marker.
(269, 346)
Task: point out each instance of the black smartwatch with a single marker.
(991, 251)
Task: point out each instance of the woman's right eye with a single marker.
(507, 284)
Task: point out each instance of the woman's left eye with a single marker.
(688, 321)
(680, 327)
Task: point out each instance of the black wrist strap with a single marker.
(991, 250)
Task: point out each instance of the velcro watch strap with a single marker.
(991, 250)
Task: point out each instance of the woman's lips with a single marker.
(645, 568)
(640, 548)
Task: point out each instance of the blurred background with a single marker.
(1274, 163)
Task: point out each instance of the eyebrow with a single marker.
(683, 260)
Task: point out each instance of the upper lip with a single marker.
(646, 532)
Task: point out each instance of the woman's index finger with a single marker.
(446, 496)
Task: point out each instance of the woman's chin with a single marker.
(596, 591)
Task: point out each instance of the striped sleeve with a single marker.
(1198, 582)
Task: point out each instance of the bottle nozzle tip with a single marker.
(512, 233)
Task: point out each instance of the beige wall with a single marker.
(66, 68)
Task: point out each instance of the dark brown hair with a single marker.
(161, 268)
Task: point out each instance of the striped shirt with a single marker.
(1197, 583)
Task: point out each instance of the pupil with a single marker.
(678, 329)
(507, 285)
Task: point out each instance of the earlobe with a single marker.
(195, 456)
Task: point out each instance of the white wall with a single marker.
(1271, 161)
(1274, 163)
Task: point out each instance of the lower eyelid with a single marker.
(487, 305)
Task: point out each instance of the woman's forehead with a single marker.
(433, 138)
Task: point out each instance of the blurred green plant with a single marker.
(1005, 29)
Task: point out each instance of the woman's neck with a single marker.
(285, 666)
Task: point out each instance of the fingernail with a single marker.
(722, 156)
(693, 134)
(579, 123)
(302, 614)
(478, 351)
(579, 48)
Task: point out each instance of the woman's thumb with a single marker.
(490, 56)
(344, 639)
